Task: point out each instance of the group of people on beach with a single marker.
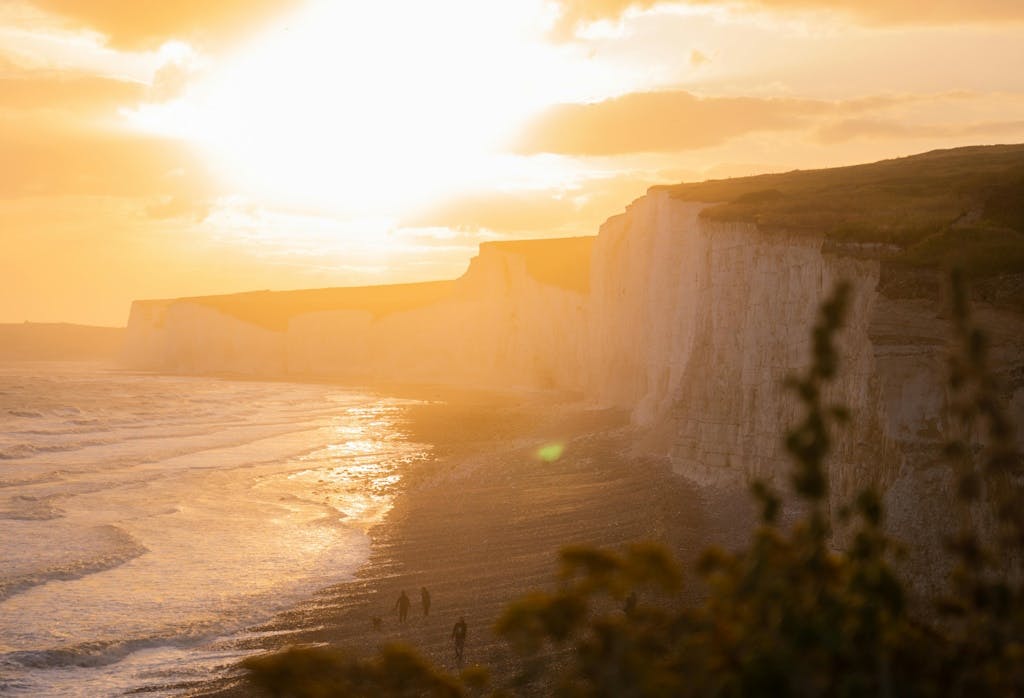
(403, 604)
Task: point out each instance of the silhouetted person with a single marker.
(425, 599)
(459, 638)
(402, 605)
(630, 606)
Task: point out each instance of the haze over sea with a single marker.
(146, 521)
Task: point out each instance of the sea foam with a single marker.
(146, 520)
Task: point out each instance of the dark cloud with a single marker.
(135, 24)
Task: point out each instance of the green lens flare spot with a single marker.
(549, 453)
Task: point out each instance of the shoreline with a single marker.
(481, 523)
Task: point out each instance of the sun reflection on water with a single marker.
(355, 476)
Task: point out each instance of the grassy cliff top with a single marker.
(964, 205)
(273, 309)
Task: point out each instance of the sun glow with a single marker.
(369, 106)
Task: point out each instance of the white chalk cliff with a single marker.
(690, 324)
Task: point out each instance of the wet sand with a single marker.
(482, 523)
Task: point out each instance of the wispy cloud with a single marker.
(660, 121)
(56, 158)
(575, 14)
(58, 90)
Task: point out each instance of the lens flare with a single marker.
(549, 453)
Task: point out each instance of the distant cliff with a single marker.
(40, 341)
(514, 319)
(688, 313)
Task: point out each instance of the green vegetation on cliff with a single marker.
(963, 206)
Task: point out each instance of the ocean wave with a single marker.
(20, 451)
(27, 414)
(51, 476)
(98, 653)
(24, 507)
(17, 451)
(126, 549)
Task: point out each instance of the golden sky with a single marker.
(159, 149)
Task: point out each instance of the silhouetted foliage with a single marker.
(319, 672)
(787, 615)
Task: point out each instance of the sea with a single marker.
(148, 522)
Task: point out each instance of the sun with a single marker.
(371, 106)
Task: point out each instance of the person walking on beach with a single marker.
(402, 605)
(459, 638)
(425, 599)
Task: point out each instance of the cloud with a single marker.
(54, 158)
(60, 134)
(906, 11)
(578, 209)
(509, 212)
(179, 207)
(673, 121)
(577, 13)
(135, 24)
(660, 121)
(77, 93)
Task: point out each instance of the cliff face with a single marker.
(721, 318)
(498, 326)
(695, 325)
(691, 324)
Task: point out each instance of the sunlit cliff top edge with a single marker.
(963, 205)
(559, 262)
